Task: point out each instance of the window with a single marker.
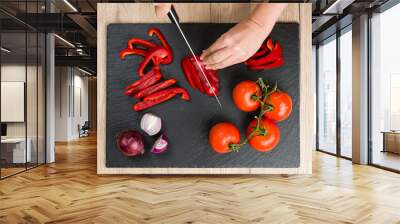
(346, 93)
(385, 89)
(326, 101)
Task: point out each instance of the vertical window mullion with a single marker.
(338, 76)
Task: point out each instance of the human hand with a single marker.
(236, 45)
(162, 8)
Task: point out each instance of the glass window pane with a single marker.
(385, 89)
(327, 97)
(13, 86)
(346, 94)
(31, 97)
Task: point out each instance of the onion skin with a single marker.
(130, 143)
(160, 145)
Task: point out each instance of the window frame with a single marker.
(336, 36)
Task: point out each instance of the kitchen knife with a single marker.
(173, 16)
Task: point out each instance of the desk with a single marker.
(17, 150)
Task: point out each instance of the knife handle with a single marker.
(172, 14)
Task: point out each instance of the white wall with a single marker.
(71, 102)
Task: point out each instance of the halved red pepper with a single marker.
(196, 78)
(194, 75)
(147, 80)
(187, 72)
(154, 88)
(164, 43)
(155, 55)
(160, 97)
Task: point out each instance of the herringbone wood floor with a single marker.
(69, 191)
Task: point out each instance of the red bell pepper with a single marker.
(154, 88)
(160, 97)
(156, 55)
(147, 80)
(164, 43)
(196, 78)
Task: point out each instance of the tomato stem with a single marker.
(266, 91)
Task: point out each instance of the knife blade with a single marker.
(173, 16)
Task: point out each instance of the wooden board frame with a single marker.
(108, 13)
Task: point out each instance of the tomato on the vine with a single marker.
(260, 142)
(243, 96)
(222, 135)
(281, 106)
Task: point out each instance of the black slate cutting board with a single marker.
(187, 123)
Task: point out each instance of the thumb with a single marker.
(162, 9)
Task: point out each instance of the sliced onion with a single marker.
(130, 143)
(151, 124)
(160, 145)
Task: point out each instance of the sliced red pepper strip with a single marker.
(279, 62)
(130, 51)
(154, 88)
(206, 85)
(156, 55)
(269, 58)
(177, 90)
(260, 52)
(148, 75)
(160, 97)
(195, 76)
(143, 43)
(147, 80)
(164, 43)
(186, 72)
(269, 44)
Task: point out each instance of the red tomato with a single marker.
(267, 142)
(281, 104)
(223, 134)
(242, 95)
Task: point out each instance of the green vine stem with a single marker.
(266, 90)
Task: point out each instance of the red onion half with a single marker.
(160, 145)
(130, 143)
